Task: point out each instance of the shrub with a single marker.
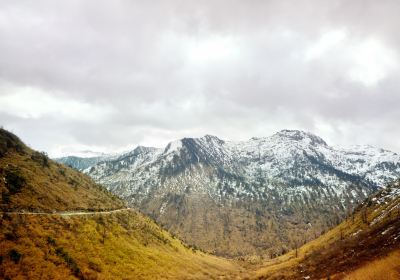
(5, 197)
(9, 141)
(95, 266)
(68, 260)
(62, 171)
(41, 158)
(14, 181)
(73, 182)
(15, 256)
(12, 235)
(51, 241)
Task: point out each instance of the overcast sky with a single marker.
(109, 75)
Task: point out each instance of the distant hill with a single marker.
(49, 230)
(81, 163)
(224, 196)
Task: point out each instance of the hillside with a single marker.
(66, 239)
(31, 181)
(365, 246)
(119, 246)
(224, 196)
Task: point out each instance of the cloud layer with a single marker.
(107, 76)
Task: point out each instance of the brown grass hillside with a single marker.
(387, 268)
(124, 245)
(367, 241)
(29, 180)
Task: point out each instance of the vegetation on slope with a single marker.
(387, 268)
(264, 196)
(117, 245)
(242, 228)
(362, 241)
(29, 180)
(124, 245)
(127, 245)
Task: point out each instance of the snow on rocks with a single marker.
(292, 164)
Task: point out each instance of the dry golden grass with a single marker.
(124, 245)
(48, 186)
(387, 268)
(120, 245)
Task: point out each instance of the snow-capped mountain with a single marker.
(295, 159)
(247, 195)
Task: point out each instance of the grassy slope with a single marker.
(387, 268)
(47, 185)
(369, 238)
(123, 245)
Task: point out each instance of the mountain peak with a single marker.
(206, 139)
(141, 149)
(298, 135)
(212, 138)
(173, 146)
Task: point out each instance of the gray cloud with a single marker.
(108, 76)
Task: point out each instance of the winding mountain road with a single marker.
(67, 213)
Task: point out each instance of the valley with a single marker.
(223, 196)
(199, 140)
(57, 223)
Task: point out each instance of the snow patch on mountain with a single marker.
(291, 164)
